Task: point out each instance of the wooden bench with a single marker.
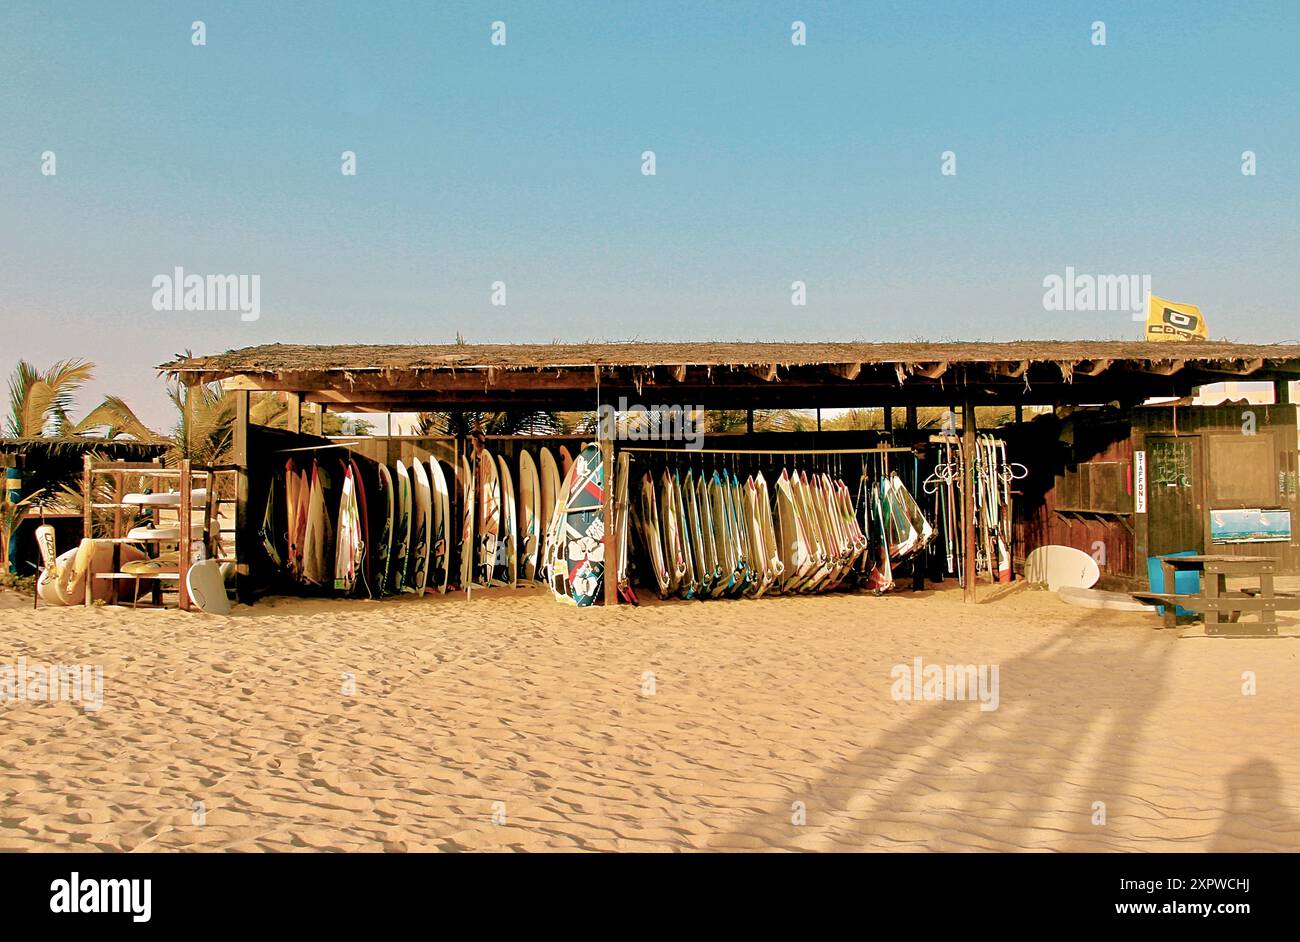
(1220, 606)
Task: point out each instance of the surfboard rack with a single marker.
(111, 520)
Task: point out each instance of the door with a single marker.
(1175, 521)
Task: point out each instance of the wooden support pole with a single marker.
(968, 496)
(909, 418)
(749, 421)
(889, 420)
(185, 517)
(1281, 391)
(243, 516)
(87, 515)
(611, 524)
(293, 416)
(1020, 413)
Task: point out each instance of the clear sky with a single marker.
(522, 164)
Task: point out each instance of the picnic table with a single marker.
(1221, 606)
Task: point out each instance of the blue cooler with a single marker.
(1185, 583)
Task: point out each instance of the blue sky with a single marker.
(522, 164)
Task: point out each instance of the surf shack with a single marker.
(1094, 445)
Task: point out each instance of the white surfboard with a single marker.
(549, 481)
(1061, 566)
(1098, 598)
(489, 514)
(163, 534)
(421, 524)
(509, 525)
(384, 527)
(401, 530)
(530, 497)
(440, 530)
(207, 588)
(467, 544)
(347, 543)
(198, 497)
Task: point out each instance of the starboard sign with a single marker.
(1169, 320)
(1139, 482)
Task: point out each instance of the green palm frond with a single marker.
(116, 418)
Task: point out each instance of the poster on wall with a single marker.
(1250, 526)
(1140, 482)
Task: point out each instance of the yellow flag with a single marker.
(1169, 320)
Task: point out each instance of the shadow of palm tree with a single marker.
(951, 777)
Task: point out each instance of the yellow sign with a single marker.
(1168, 320)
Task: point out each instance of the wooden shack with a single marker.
(1070, 505)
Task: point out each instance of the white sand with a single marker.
(757, 705)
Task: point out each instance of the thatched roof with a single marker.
(271, 358)
(74, 446)
(438, 376)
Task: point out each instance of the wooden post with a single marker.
(243, 582)
(185, 514)
(1020, 413)
(293, 417)
(968, 496)
(115, 566)
(910, 418)
(87, 518)
(1281, 391)
(749, 421)
(889, 420)
(611, 524)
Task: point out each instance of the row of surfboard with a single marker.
(710, 536)
(391, 531)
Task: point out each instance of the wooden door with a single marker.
(1175, 519)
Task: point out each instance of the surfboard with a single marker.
(207, 588)
(162, 534)
(314, 568)
(166, 563)
(708, 546)
(507, 565)
(1099, 598)
(648, 526)
(417, 577)
(489, 514)
(366, 566)
(584, 526)
(198, 496)
(1061, 566)
(347, 543)
(400, 559)
(529, 515)
(383, 533)
(623, 512)
(467, 543)
(440, 540)
(63, 580)
(549, 478)
(566, 462)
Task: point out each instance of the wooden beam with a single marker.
(1162, 367)
(293, 417)
(847, 371)
(931, 370)
(1281, 391)
(243, 513)
(968, 497)
(1091, 367)
(766, 373)
(1013, 370)
(610, 538)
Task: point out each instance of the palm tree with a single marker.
(507, 422)
(39, 401)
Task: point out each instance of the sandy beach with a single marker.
(509, 722)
